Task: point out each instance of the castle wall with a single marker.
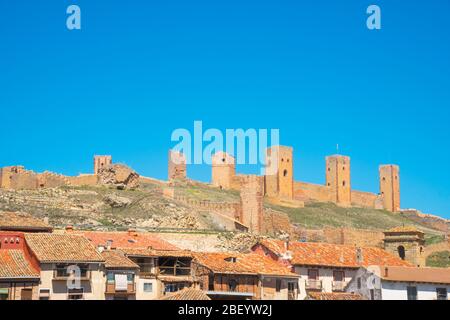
(348, 236)
(311, 191)
(84, 180)
(276, 222)
(364, 199)
(51, 180)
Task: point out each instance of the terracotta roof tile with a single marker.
(117, 259)
(49, 247)
(187, 294)
(20, 221)
(14, 265)
(127, 240)
(143, 252)
(334, 296)
(333, 255)
(413, 274)
(249, 263)
(406, 229)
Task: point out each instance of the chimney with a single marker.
(359, 256)
(69, 229)
(286, 244)
(108, 244)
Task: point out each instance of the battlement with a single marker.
(101, 162)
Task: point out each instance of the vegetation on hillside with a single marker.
(439, 260)
(316, 215)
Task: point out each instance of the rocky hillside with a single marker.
(145, 207)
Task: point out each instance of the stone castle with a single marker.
(280, 183)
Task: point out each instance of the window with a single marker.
(411, 293)
(75, 294)
(358, 282)
(4, 293)
(26, 294)
(372, 294)
(441, 293)
(313, 274)
(278, 285)
(148, 287)
(110, 277)
(343, 183)
(338, 275)
(285, 172)
(401, 252)
(44, 294)
(232, 285)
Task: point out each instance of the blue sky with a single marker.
(140, 69)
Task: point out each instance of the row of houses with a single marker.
(41, 264)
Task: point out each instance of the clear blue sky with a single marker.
(139, 69)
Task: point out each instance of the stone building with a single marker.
(177, 165)
(101, 162)
(223, 170)
(279, 176)
(252, 206)
(407, 243)
(390, 187)
(338, 178)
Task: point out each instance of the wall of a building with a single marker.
(279, 177)
(398, 290)
(94, 289)
(325, 275)
(15, 289)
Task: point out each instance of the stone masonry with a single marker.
(177, 165)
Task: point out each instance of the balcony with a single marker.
(63, 275)
(174, 271)
(313, 284)
(339, 286)
(111, 289)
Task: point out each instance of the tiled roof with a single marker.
(14, 265)
(127, 240)
(413, 274)
(187, 294)
(406, 229)
(334, 296)
(49, 247)
(117, 259)
(142, 252)
(245, 263)
(333, 255)
(20, 221)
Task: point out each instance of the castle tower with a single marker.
(406, 243)
(223, 170)
(279, 175)
(338, 178)
(100, 162)
(177, 165)
(252, 194)
(390, 187)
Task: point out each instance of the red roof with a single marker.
(242, 263)
(127, 239)
(14, 265)
(333, 255)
